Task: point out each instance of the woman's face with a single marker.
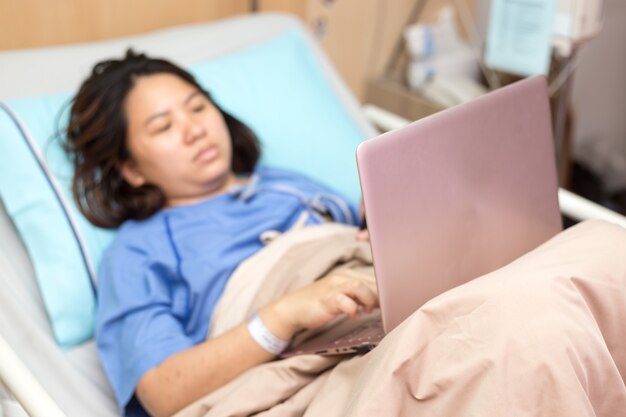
(177, 139)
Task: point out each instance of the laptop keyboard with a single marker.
(365, 333)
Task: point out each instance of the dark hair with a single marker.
(97, 142)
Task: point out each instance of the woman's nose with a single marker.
(195, 129)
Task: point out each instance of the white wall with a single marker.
(599, 99)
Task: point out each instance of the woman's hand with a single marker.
(188, 375)
(344, 292)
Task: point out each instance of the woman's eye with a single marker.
(198, 108)
(162, 128)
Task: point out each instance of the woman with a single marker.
(154, 155)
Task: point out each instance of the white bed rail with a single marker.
(572, 205)
(24, 386)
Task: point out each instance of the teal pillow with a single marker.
(276, 87)
(36, 191)
(279, 90)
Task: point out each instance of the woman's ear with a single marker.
(130, 172)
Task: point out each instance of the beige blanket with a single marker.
(544, 335)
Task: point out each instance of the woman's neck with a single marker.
(224, 186)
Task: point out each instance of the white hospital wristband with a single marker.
(264, 337)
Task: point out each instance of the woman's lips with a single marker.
(207, 154)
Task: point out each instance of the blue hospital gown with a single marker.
(162, 277)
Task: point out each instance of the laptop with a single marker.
(449, 198)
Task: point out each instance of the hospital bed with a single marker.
(294, 99)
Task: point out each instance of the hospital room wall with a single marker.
(32, 23)
(358, 35)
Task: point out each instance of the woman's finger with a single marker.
(362, 294)
(362, 278)
(342, 304)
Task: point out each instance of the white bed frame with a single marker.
(38, 403)
(14, 373)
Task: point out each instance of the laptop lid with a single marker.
(458, 194)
